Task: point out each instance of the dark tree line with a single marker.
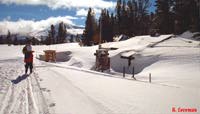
(60, 37)
(52, 38)
(164, 17)
(13, 39)
(177, 16)
(187, 15)
(131, 17)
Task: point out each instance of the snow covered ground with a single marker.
(69, 86)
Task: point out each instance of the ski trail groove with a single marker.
(39, 99)
(6, 100)
(26, 96)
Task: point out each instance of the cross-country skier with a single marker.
(28, 57)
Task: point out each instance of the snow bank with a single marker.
(190, 35)
(10, 52)
(187, 34)
(139, 63)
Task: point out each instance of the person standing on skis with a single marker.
(28, 57)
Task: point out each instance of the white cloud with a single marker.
(97, 11)
(7, 18)
(75, 31)
(54, 4)
(27, 26)
(82, 17)
(82, 12)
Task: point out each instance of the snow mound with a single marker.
(75, 62)
(139, 63)
(121, 38)
(190, 35)
(60, 56)
(187, 34)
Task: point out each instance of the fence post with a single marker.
(133, 72)
(149, 77)
(123, 71)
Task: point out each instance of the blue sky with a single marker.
(15, 12)
(16, 15)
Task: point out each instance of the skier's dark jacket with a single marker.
(28, 55)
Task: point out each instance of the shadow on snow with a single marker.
(19, 79)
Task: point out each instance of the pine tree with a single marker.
(115, 25)
(48, 39)
(90, 28)
(52, 33)
(15, 42)
(194, 14)
(164, 17)
(186, 15)
(104, 25)
(107, 26)
(62, 32)
(198, 11)
(9, 40)
(118, 16)
(124, 19)
(142, 16)
(131, 11)
(111, 28)
(1, 40)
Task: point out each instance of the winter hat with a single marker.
(29, 48)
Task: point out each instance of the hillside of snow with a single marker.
(70, 86)
(71, 29)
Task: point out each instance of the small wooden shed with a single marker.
(102, 60)
(50, 55)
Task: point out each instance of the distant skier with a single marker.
(28, 57)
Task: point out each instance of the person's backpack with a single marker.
(24, 50)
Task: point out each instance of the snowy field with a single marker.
(70, 86)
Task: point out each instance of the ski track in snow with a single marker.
(24, 97)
